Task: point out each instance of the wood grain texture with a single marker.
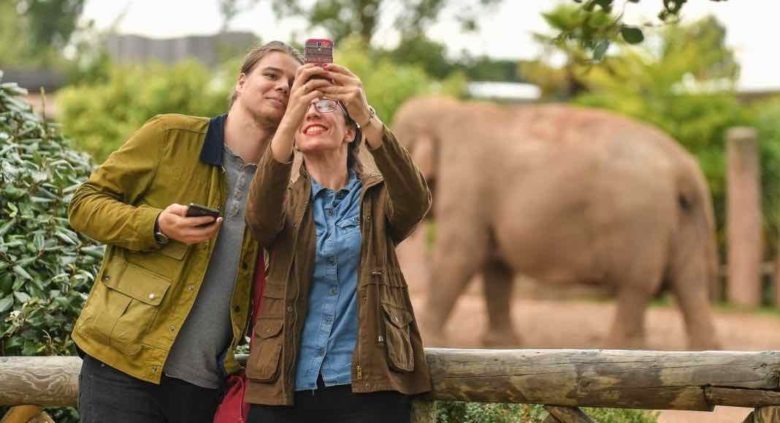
(680, 380)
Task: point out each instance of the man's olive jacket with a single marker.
(143, 292)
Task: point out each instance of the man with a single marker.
(171, 300)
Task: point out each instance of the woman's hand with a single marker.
(308, 84)
(348, 89)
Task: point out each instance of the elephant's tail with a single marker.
(693, 252)
(693, 264)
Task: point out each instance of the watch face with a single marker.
(160, 238)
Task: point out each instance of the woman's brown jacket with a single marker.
(389, 352)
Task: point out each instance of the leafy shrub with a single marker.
(46, 269)
(100, 116)
(470, 412)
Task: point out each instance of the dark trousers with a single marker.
(337, 404)
(108, 395)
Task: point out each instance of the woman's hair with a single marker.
(353, 148)
(256, 55)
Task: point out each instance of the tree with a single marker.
(340, 18)
(50, 23)
(597, 38)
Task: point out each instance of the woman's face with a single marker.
(324, 128)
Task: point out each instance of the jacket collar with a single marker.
(214, 145)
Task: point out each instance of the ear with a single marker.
(349, 134)
(424, 155)
(241, 81)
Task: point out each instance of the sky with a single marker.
(505, 31)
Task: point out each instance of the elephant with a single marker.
(562, 194)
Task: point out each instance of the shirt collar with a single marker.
(213, 146)
(352, 182)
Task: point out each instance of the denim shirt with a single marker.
(331, 324)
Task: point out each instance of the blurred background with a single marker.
(100, 69)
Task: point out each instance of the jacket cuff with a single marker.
(146, 216)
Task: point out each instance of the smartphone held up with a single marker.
(318, 51)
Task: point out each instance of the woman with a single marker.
(336, 338)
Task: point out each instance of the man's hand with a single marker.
(174, 223)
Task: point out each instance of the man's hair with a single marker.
(256, 55)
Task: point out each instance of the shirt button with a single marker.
(322, 351)
(152, 296)
(334, 291)
(106, 278)
(340, 194)
(289, 309)
(329, 212)
(332, 260)
(172, 328)
(190, 288)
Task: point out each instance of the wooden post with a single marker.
(745, 249)
(776, 279)
(423, 411)
(568, 414)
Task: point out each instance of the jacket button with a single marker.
(106, 278)
(152, 296)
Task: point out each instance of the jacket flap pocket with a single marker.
(397, 316)
(274, 290)
(174, 249)
(268, 328)
(140, 284)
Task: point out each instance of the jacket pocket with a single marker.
(143, 291)
(265, 350)
(400, 355)
(168, 261)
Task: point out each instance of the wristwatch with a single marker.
(371, 116)
(160, 237)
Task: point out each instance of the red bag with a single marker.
(233, 409)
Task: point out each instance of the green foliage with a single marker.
(596, 24)
(469, 412)
(50, 23)
(45, 268)
(100, 116)
(766, 120)
(388, 84)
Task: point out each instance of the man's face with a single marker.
(265, 90)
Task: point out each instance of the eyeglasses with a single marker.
(326, 105)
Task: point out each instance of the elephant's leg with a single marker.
(689, 283)
(498, 284)
(628, 326)
(459, 253)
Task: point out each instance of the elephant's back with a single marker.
(591, 187)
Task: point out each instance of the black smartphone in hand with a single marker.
(197, 210)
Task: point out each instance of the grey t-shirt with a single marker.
(207, 331)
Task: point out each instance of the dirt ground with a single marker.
(578, 322)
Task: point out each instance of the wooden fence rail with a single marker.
(561, 379)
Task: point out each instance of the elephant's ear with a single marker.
(424, 155)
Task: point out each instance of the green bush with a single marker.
(46, 270)
(470, 412)
(100, 116)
